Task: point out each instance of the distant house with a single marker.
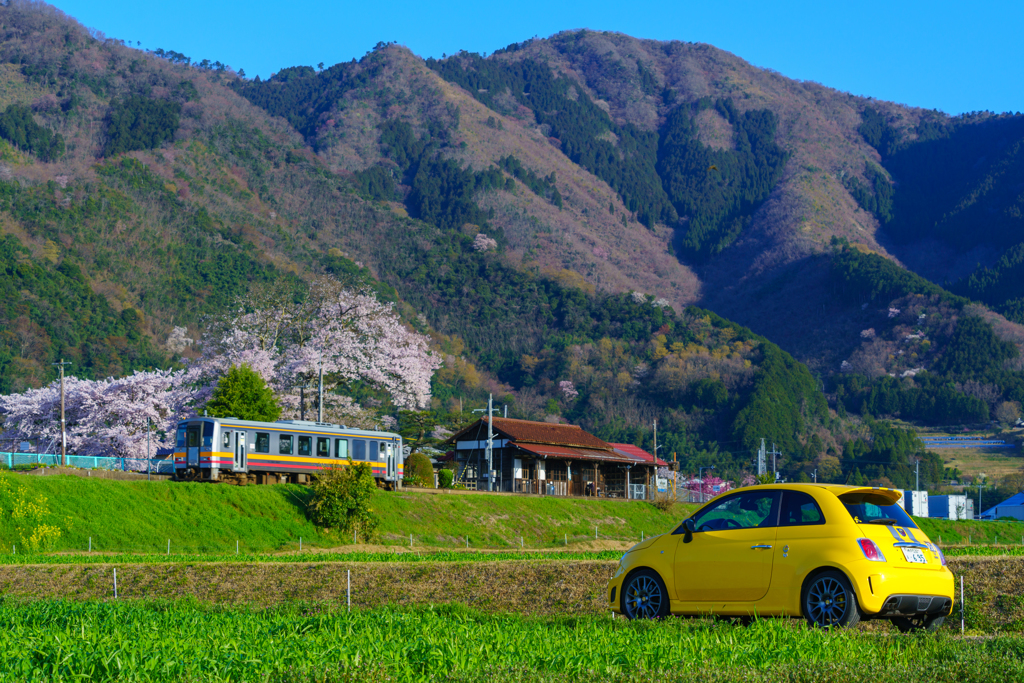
(547, 459)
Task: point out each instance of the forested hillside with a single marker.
(591, 227)
(954, 204)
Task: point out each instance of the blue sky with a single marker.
(954, 57)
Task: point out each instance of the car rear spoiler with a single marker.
(875, 495)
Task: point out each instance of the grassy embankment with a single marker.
(126, 641)
(140, 517)
(203, 519)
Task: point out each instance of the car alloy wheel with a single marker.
(644, 596)
(829, 601)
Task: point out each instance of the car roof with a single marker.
(893, 495)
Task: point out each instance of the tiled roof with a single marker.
(637, 453)
(527, 431)
(570, 453)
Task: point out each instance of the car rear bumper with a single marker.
(916, 605)
(905, 592)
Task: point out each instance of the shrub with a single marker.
(445, 479)
(664, 502)
(419, 471)
(341, 499)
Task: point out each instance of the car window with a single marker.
(739, 511)
(799, 509)
(868, 508)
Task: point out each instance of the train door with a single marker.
(239, 441)
(391, 459)
(192, 445)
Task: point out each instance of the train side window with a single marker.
(226, 439)
(305, 445)
(262, 442)
(341, 448)
(208, 434)
(323, 447)
(284, 444)
(373, 451)
(358, 449)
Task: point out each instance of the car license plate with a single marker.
(914, 555)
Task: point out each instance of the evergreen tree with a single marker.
(243, 394)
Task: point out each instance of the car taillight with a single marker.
(870, 550)
(942, 555)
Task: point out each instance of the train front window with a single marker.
(262, 442)
(305, 445)
(208, 435)
(193, 438)
(284, 444)
(323, 447)
(341, 448)
(180, 439)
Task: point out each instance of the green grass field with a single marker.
(186, 641)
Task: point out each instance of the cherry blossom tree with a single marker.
(709, 487)
(109, 417)
(348, 335)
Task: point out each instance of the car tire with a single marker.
(908, 625)
(644, 596)
(829, 601)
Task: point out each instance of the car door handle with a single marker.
(760, 547)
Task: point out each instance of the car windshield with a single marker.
(870, 508)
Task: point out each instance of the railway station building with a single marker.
(547, 459)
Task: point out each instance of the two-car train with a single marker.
(248, 452)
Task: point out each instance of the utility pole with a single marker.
(760, 459)
(488, 451)
(149, 450)
(775, 470)
(490, 441)
(655, 441)
(63, 426)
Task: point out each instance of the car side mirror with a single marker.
(688, 529)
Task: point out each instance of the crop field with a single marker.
(188, 641)
(994, 586)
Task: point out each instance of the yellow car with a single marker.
(831, 554)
